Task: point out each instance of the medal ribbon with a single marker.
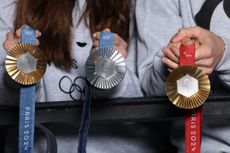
(106, 41)
(193, 117)
(85, 120)
(27, 103)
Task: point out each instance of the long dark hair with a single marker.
(113, 14)
(54, 19)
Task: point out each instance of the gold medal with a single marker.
(187, 87)
(25, 64)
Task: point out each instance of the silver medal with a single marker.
(105, 68)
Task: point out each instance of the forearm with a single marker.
(222, 69)
(7, 15)
(154, 33)
(153, 76)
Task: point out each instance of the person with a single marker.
(67, 30)
(69, 67)
(66, 39)
(162, 26)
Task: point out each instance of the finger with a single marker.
(18, 33)
(176, 52)
(10, 36)
(38, 33)
(37, 42)
(193, 32)
(170, 70)
(172, 65)
(118, 41)
(197, 44)
(106, 30)
(96, 35)
(177, 44)
(95, 43)
(203, 52)
(207, 62)
(9, 44)
(170, 54)
(206, 69)
(123, 51)
(188, 42)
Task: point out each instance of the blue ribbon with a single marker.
(85, 120)
(27, 103)
(106, 41)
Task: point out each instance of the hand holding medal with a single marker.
(26, 65)
(188, 87)
(105, 66)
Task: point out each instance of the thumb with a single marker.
(106, 30)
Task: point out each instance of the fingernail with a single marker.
(173, 39)
(163, 49)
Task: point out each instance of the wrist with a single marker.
(224, 56)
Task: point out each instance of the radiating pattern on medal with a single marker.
(187, 87)
(25, 64)
(105, 68)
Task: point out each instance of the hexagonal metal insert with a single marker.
(187, 86)
(104, 67)
(27, 63)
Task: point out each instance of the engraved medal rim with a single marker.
(113, 80)
(198, 98)
(18, 75)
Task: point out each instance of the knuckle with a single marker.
(5, 44)
(197, 30)
(181, 30)
(209, 52)
(209, 70)
(209, 63)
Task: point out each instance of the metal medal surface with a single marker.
(105, 68)
(187, 87)
(25, 64)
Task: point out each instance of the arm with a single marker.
(154, 32)
(7, 11)
(222, 69)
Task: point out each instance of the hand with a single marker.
(210, 50)
(13, 38)
(119, 44)
(172, 53)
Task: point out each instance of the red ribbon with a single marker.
(193, 119)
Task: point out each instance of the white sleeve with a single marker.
(157, 21)
(7, 14)
(7, 11)
(222, 69)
